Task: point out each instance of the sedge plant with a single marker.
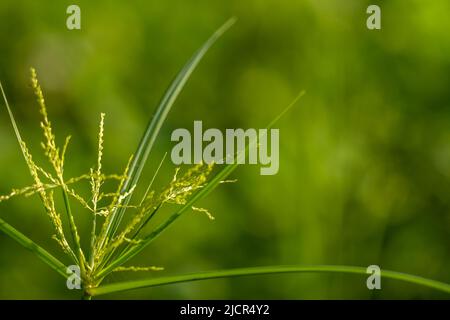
(113, 241)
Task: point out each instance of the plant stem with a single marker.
(93, 239)
(123, 286)
(86, 295)
(73, 229)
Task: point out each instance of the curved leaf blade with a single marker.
(130, 285)
(157, 121)
(29, 244)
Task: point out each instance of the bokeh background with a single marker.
(364, 157)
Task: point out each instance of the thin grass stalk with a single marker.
(231, 273)
(74, 232)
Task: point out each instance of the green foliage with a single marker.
(364, 163)
(109, 206)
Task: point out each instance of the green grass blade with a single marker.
(130, 285)
(282, 113)
(222, 175)
(13, 121)
(157, 121)
(33, 247)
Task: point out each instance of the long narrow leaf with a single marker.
(123, 286)
(33, 247)
(157, 121)
(222, 175)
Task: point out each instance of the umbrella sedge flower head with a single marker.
(101, 206)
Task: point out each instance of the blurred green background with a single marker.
(364, 158)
